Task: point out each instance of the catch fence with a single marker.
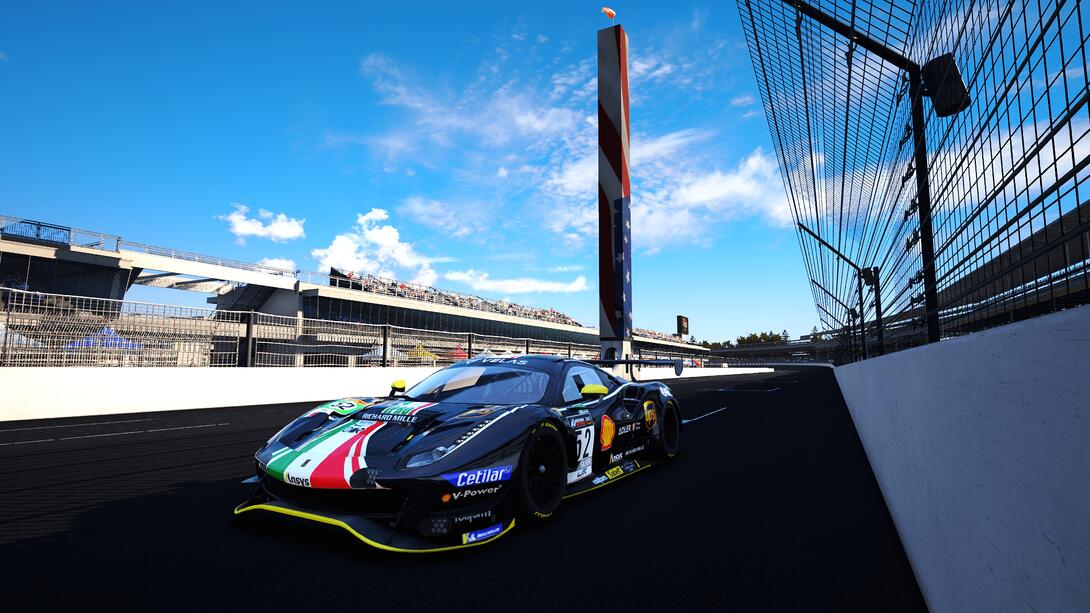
(39, 329)
(918, 220)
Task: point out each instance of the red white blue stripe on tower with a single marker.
(614, 189)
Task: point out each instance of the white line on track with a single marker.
(41, 440)
(687, 421)
(187, 427)
(72, 438)
(97, 423)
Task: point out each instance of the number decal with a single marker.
(584, 442)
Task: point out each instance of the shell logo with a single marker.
(609, 429)
(446, 498)
(649, 415)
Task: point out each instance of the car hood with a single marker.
(355, 442)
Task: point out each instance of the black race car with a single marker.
(457, 459)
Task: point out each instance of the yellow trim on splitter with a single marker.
(336, 522)
(603, 484)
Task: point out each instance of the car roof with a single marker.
(532, 360)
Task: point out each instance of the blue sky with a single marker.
(450, 143)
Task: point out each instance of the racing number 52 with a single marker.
(584, 442)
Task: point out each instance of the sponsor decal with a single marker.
(628, 428)
(617, 457)
(471, 517)
(359, 427)
(649, 415)
(303, 481)
(464, 494)
(614, 472)
(402, 413)
(609, 430)
(479, 476)
(581, 420)
(665, 391)
(600, 479)
(481, 535)
(581, 472)
(520, 361)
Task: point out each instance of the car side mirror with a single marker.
(594, 390)
(397, 387)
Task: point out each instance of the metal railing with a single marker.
(53, 330)
(38, 329)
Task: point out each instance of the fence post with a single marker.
(569, 350)
(469, 345)
(249, 340)
(385, 343)
(7, 328)
(527, 346)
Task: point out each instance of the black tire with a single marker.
(669, 439)
(542, 475)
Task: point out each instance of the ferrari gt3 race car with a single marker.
(461, 456)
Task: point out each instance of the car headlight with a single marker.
(426, 457)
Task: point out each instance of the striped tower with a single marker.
(614, 227)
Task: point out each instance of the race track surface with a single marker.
(771, 507)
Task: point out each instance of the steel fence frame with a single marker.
(1008, 222)
(41, 329)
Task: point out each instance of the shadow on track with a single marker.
(771, 507)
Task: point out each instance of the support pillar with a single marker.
(614, 192)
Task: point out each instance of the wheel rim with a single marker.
(545, 477)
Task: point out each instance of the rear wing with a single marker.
(678, 365)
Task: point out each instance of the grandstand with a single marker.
(73, 264)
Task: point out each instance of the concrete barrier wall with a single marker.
(648, 372)
(981, 445)
(33, 393)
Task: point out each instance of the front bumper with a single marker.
(408, 529)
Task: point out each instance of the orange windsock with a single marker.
(612, 14)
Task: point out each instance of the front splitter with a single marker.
(372, 532)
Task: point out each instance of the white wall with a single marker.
(32, 393)
(650, 372)
(981, 445)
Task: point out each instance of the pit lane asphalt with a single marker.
(772, 506)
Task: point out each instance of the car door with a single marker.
(593, 428)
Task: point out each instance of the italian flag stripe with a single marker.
(330, 473)
(278, 465)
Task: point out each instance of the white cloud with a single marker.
(502, 172)
(480, 281)
(284, 263)
(754, 187)
(743, 100)
(372, 247)
(276, 227)
(569, 268)
(439, 215)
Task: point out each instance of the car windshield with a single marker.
(482, 385)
